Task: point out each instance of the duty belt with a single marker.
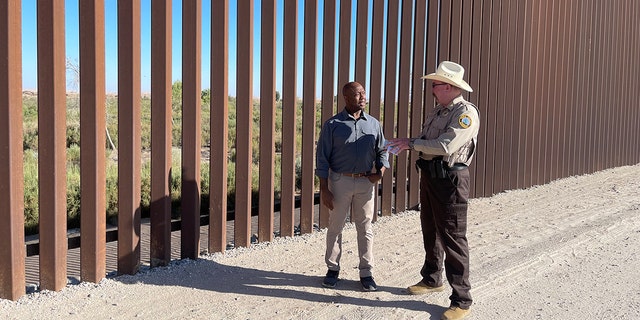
(438, 168)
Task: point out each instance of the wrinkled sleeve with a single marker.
(382, 156)
(323, 151)
(454, 138)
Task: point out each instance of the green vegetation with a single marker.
(30, 147)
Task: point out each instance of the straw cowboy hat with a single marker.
(451, 73)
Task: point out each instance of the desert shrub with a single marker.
(73, 134)
(31, 205)
(112, 120)
(73, 196)
(145, 122)
(30, 138)
(29, 109)
(112, 192)
(73, 154)
(30, 145)
(145, 188)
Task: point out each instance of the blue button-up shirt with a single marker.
(349, 145)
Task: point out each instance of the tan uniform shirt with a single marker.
(450, 131)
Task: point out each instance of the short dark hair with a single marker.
(349, 85)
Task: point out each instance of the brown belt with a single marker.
(356, 175)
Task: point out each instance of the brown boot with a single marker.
(422, 288)
(455, 313)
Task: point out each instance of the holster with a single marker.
(435, 168)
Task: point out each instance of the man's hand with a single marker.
(375, 177)
(397, 145)
(327, 198)
(325, 195)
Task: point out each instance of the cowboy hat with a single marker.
(451, 73)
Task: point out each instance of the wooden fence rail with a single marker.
(550, 77)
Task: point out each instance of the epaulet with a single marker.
(467, 103)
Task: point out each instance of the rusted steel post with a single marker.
(375, 78)
(483, 158)
(475, 69)
(404, 72)
(444, 45)
(267, 120)
(601, 92)
(585, 80)
(244, 125)
(466, 47)
(308, 116)
(344, 56)
(388, 125)
(630, 81)
(129, 136)
(457, 33)
(52, 145)
(289, 120)
(514, 107)
(573, 57)
(12, 250)
(542, 87)
(499, 108)
(92, 141)
(160, 251)
(344, 48)
(191, 137)
(377, 42)
(431, 61)
(219, 130)
(528, 95)
(417, 97)
(569, 110)
(361, 45)
(329, 95)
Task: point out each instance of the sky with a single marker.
(29, 43)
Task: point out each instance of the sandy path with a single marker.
(565, 250)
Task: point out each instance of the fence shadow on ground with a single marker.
(209, 275)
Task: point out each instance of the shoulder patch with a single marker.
(464, 121)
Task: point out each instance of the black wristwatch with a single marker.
(411, 141)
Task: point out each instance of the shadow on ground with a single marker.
(209, 275)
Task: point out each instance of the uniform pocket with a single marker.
(457, 219)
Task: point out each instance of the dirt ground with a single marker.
(565, 250)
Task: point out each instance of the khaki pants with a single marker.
(356, 194)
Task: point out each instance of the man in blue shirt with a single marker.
(351, 158)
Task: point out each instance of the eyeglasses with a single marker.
(433, 85)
